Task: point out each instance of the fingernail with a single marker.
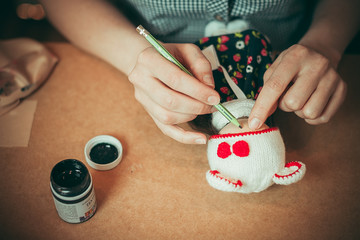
(254, 123)
(200, 141)
(213, 100)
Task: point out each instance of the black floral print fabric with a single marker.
(246, 56)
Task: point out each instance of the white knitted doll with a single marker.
(242, 160)
(247, 161)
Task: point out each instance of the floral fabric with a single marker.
(246, 56)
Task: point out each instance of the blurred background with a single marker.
(20, 18)
(26, 18)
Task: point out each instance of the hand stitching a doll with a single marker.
(310, 36)
(241, 159)
(303, 79)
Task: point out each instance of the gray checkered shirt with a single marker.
(283, 21)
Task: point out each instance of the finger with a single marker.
(300, 114)
(180, 81)
(334, 104)
(197, 64)
(273, 66)
(172, 100)
(141, 77)
(298, 93)
(321, 96)
(179, 134)
(271, 92)
(254, 121)
(161, 114)
(306, 83)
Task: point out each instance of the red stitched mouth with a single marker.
(235, 183)
(230, 135)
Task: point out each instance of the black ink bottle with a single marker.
(72, 190)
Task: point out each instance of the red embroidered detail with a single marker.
(204, 40)
(225, 90)
(247, 38)
(223, 150)
(238, 75)
(263, 42)
(264, 52)
(238, 183)
(228, 99)
(221, 47)
(241, 149)
(235, 80)
(223, 39)
(257, 94)
(290, 164)
(237, 57)
(243, 134)
(216, 174)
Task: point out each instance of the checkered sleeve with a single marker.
(185, 20)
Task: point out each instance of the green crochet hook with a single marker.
(172, 59)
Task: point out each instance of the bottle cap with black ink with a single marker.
(103, 152)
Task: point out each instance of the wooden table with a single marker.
(159, 190)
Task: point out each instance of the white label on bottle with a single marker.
(77, 212)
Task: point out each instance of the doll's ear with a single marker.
(291, 173)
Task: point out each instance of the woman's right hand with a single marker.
(171, 96)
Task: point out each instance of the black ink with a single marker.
(70, 178)
(103, 153)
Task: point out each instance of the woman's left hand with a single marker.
(302, 81)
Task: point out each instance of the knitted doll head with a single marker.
(248, 161)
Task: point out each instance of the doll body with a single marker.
(242, 162)
(248, 161)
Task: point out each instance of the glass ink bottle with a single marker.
(73, 191)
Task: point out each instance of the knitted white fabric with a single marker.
(238, 108)
(216, 28)
(250, 162)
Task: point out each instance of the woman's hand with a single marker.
(302, 81)
(170, 95)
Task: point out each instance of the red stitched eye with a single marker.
(223, 150)
(241, 149)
